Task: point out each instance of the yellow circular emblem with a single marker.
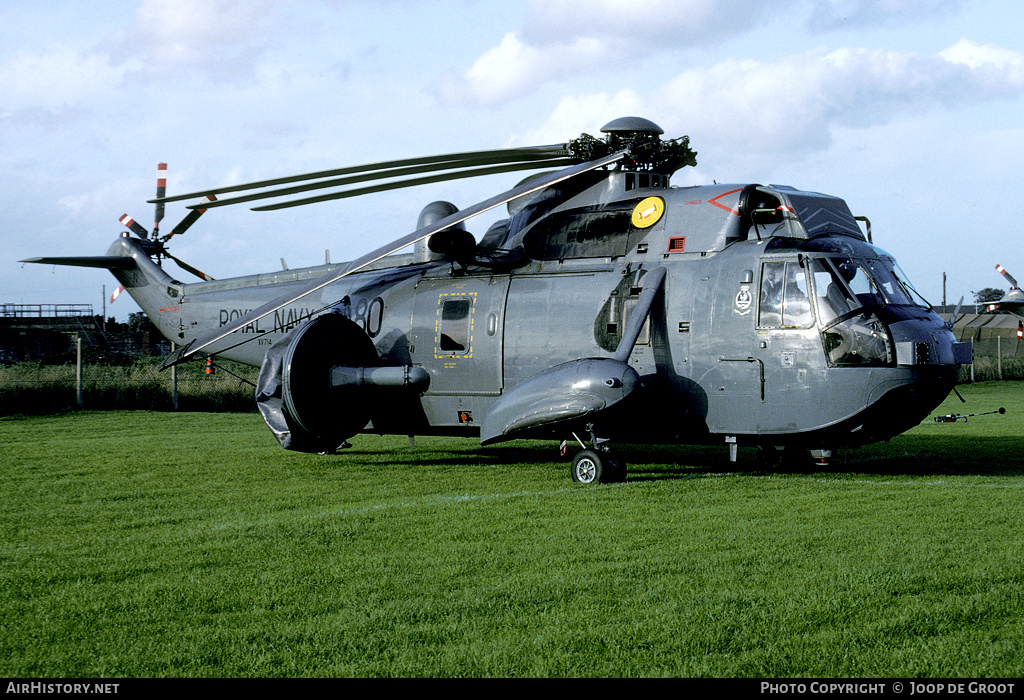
(648, 212)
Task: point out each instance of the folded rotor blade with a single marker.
(452, 160)
(540, 162)
(1007, 275)
(192, 348)
(496, 170)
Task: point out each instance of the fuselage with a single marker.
(777, 321)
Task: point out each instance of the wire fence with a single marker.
(34, 387)
(37, 388)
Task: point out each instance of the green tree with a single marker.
(138, 322)
(986, 295)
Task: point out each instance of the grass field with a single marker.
(141, 544)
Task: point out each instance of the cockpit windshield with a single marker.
(845, 284)
(848, 294)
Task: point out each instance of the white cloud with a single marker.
(60, 78)
(220, 37)
(1003, 64)
(794, 103)
(640, 22)
(513, 68)
(585, 114)
(564, 39)
(846, 14)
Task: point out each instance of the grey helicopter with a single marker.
(1013, 301)
(609, 307)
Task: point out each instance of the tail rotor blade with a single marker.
(1007, 275)
(134, 226)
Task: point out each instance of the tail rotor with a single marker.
(158, 248)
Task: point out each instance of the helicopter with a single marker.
(608, 307)
(1013, 301)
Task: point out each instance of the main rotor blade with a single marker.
(135, 227)
(444, 161)
(1007, 275)
(188, 351)
(496, 170)
(539, 162)
(190, 218)
(161, 189)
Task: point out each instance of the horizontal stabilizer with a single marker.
(106, 262)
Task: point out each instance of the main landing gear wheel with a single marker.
(592, 467)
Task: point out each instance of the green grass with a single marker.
(140, 544)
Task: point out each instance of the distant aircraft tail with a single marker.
(135, 263)
(128, 260)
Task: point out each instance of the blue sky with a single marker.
(909, 110)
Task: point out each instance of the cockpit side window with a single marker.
(833, 297)
(784, 301)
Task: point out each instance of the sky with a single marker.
(910, 110)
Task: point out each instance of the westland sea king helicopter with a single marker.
(609, 306)
(1013, 301)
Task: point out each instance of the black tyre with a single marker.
(588, 468)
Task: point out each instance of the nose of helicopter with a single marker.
(928, 341)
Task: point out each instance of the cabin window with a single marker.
(784, 301)
(586, 232)
(455, 325)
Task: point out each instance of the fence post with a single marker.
(999, 355)
(174, 386)
(78, 369)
